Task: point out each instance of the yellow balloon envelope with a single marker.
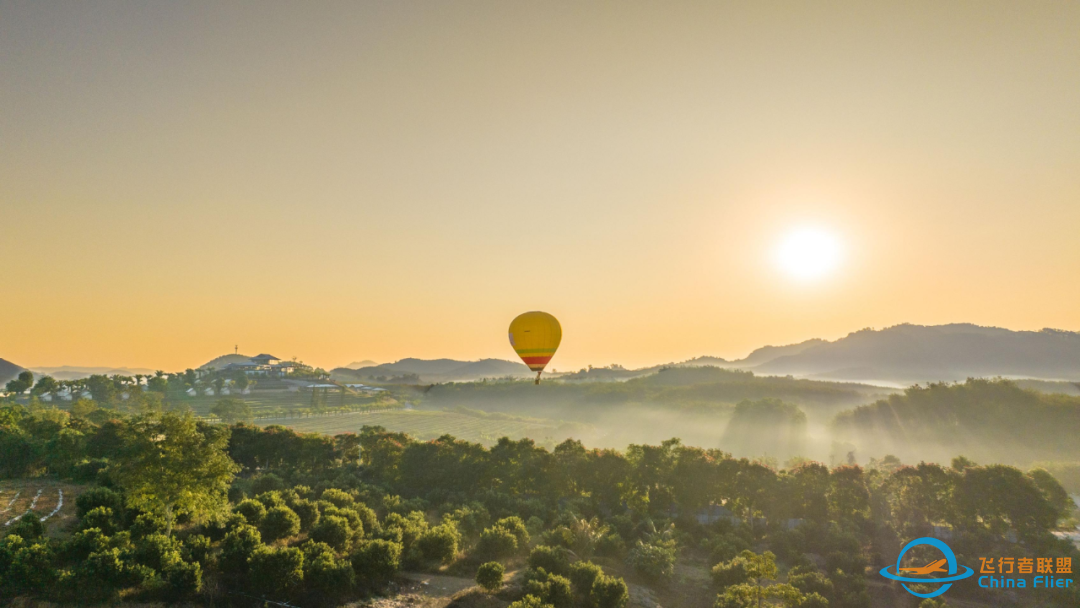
(535, 336)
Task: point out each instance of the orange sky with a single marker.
(382, 180)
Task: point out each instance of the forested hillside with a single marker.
(984, 419)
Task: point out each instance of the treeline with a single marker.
(983, 419)
(236, 515)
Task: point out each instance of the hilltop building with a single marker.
(263, 365)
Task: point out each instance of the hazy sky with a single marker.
(346, 180)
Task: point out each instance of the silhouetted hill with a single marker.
(437, 370)
(8, 371)
(224, 360)
(359, 364)
(917, 353)
(770, 353)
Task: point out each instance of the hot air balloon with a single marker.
(535, 336)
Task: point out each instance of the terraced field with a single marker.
(429, 424)
(51, 502)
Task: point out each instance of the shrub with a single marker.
(496, 542)
(583, 575)
(551, 559)
(609, 592)
(439, 543)
(307, 512)
(729, 573)
(267, 482)
(376, 561)
(276, 570)
(157, 551)
(29, 527)
(280, 522)
(98, 497)
(79, 546)
(652, 561)
(552, 589)
(271, 499)
(31, 568)
(332, 530)
(101, 518)
(197, 549)
(183, 579)
(516, 527)
(328, 575)
(490, 576)
(237, 547)
(252, 510)
(611, 545)
(146, 524)
(338, 498)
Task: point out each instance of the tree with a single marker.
(490, 576)
(609, 592)
(46, 384)
(376, 562)
(169, 464)
(231, 410)
(21, 383)
(276, 570)
(280, 522)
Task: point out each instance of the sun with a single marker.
(808, 253)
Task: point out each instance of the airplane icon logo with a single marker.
(937, 566)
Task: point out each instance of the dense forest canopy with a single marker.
(270, 513)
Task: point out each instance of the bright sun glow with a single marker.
(807, 253)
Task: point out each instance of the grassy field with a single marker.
(429, 424)
(285, 403)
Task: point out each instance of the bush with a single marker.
(101, 518)
(252, 510)
(29, 527)
(237, 547)
(496, 542)
(267, 482)
(653, 562)
(376, 561)
(146, 524)
(516, 527)
(338, 498)
(78, 547)
(611, 545)
(729, 573)
(530, 601)
(183, 579)
(329, 576)
(276, 570)
(552, 589)
(280, 522)
(332, 530)
(308, 513)
(609, 592)
(439, 544)
(551, 559)
(157, 551)
(31, 567)
(98, 497)
(490, 576)
(197, 549)
(271, 499)
(583, 575)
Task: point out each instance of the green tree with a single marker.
(45, 384)
(490, 576)
(231, 410)
(276, 570)
(280, 522)
(21, 383)
(169, 464)
(609, 592)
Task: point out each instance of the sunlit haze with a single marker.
(382, 180)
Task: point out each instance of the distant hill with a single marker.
(917, 353)
(74, 372)
(436, 370)
(359, 364)
(224, 360)
(8, 371)
(770, 353)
